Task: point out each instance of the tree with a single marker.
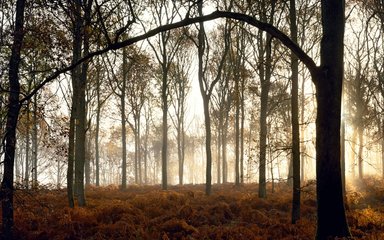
(119, 88)
(295, 118)
(12, 118)
(206, 89)
(139, 75)
(168, 47)
(180, 86)
(328, 80)
(78, 112)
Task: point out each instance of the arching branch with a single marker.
(273, 31)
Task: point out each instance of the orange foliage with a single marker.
(186, 213)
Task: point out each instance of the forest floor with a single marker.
(185, 212)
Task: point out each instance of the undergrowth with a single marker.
(184, 212)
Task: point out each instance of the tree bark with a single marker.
(331, 219)
(97, 128)
(205, 96)
(164, 151)
(34, 142)
(123, 123)
(237, 129)
(71, 156)
(11, 124)
(295, 119)
(27, 147)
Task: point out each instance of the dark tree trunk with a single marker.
(80, 142)
(80, 133)
(11, 124)
(265, 82)
(205, 96)
(295, 119)
(71, 156)
(75, 75)
(331, 219)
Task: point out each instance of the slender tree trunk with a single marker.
(302, 129)
(382, 148)
(136, 164)
(219, 138)
(87, 166)
(295, 119)
(224, 148)
(34, 143)
(97, 128)
(331, 219)
(353, 155)
(71, 156)
(237, 132)
(164, 152)
(124, 122)
(80, 134)
(27, 147)
(139, 149)
(342, 151)
(242, 132)
(11, 123)
(263, 134)
(207, 119)
(360, 153)
(80, 142)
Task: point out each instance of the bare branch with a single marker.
(273, 31)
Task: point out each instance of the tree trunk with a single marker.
(353, 155)
(27, 147)
(224, 148)
(34, 143)
(97, 128)
(342, 150)
(123, 124)
(87, 166)
(382, 148)
(237, 131)
(218, 146)
(331, 219)
(11, 124)
(81, 122)
(80, 141)
(295, 119)
(242, 131)
(71, 156)
(138, 140)
(360, 153)
(207, 119)
(164, 151)
(302, 129)
(265, 84)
